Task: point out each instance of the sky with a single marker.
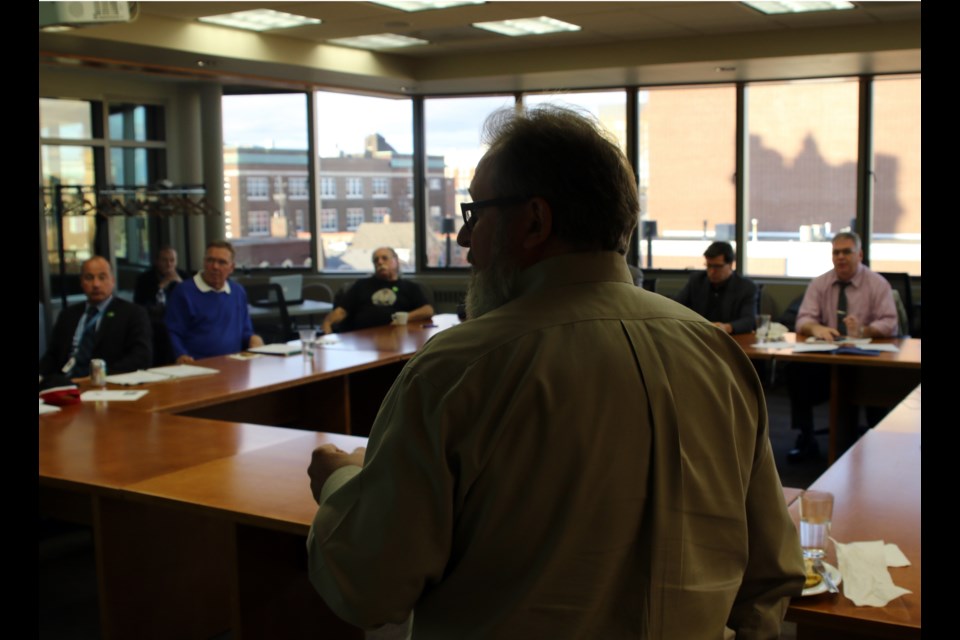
(344, 120)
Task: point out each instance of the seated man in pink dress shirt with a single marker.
(849, 300)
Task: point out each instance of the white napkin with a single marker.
(863, 566)
(776, 331)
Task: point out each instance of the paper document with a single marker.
(114, 395)
(159, 374)
(817, 346)
(182, 371)
(278, 349)
(47, 408)
(777, 344)
(889, 348)
(136, 377)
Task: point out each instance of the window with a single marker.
(452, 130)
(258, 223)
(608, 107)
(328, 188)
(93, 145)
(354, 187)
(366, 143)
(354, 218)
(895, 243)
(265, 163)
(328, 220)
(687, 164)
(802, 172)
(258, 188)
(297, 189)
(136, 122)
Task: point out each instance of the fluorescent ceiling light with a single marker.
(527, 26)
(378, 41)
(259, 20)
(798, 6)
(424, 5)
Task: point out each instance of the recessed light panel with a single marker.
(378, 41)
(527, 26)
(798, 6)
(259, 20)
(424, 5)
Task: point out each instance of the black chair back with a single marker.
(275, 326)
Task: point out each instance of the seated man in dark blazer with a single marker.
(719, 294)
(154, 285)
(103, 327)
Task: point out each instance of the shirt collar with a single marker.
(856, 280)
(574, 268)
(205, 288)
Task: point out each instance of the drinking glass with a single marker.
(816, 511)
(308, 338)
(763, 326)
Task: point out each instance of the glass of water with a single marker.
(816, 511)
(763, 326)
(308, 339)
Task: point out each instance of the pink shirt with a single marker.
(869, 299)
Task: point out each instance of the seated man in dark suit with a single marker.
(103, 327)
(152, 290)
(719, 294)
(371, 302)
(154, 285)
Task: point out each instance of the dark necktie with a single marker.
(842, 308)
(85, 349)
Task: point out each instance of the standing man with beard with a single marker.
(580, 458)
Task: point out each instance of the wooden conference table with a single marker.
(876, 487)
(338, 390)
(212, 511)
(199, 518)
(880, 380)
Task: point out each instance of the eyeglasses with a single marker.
(469, 209)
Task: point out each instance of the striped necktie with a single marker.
(85, 349)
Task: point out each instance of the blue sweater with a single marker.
(209, 324)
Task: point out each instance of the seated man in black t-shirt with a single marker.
(372, 301)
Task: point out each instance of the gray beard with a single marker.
(490, 288)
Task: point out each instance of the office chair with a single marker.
(901, 284)
(272, 327)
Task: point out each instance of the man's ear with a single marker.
(539, 219)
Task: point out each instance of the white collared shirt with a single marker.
(205, 288)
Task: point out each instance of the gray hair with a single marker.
(567, 159)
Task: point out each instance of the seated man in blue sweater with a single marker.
(207, 315)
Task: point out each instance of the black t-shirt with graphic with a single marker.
(371, 302)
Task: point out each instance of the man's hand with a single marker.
(185, 359)
(173, 277)
(326, 459)
(726, 326)
(854, 328)
(824, 333)
(255, 341)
